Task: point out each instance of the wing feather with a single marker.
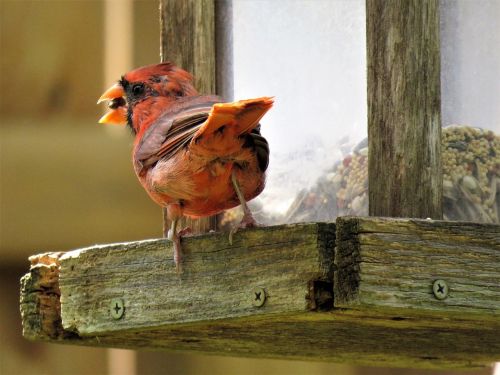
(207, 126)
(173, 129)
(227, 124)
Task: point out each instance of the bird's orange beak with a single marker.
(117, 114)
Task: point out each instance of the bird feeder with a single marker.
(401, 287)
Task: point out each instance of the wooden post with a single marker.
(188, 40)
(224, 51)
(404, 122)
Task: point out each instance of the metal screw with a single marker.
(440, 289)
(116, 307)
(258, 297)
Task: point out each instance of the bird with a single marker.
(195, 155)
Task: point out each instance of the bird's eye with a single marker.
(138, 89)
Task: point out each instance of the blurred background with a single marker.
(67, 182)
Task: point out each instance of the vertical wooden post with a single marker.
(404, 121)
(224, 49)
(188, 40)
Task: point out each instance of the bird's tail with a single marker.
(238, 117)
(228, 121)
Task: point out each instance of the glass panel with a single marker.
(470, 75)
(470, 67)
(310, 55)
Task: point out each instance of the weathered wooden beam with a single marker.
(404, 118)
(389, 317)
(188, 40)
(393, 263)
(217, 282)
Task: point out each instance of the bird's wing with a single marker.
(174, 129)
(227, 124)
(208, 127)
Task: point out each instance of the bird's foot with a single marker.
(176, 239)
(248, 221)
(185, 232)
(177, 254)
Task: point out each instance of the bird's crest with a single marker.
(149, 72)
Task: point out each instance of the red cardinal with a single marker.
(193, 154)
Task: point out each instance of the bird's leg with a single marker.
(248, 220)
(173, 212)
(175, 238)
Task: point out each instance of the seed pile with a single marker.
(471, 174)
(471, 182)
(342, 191)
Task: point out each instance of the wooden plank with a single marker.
(217, 282)
(344, 337)
(211, 307)
(404, 121)
(386, 263)
(188, 40)
(40, 299)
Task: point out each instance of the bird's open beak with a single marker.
(117, 114)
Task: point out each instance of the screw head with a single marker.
(116, 308)
(440, 289)
(258, 296)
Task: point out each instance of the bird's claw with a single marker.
(177, 255)
(182, 233)
(185, 232)
(231, 232)
(176, 239)
(248, 221)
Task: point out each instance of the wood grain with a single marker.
(384, 313)
(188, 39)
(350, 337)
(217, 280)
(392, 263)
(40, 299)
(404, 121)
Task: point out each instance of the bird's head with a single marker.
(140, 94)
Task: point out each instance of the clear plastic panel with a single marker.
(311, 55)
(470, 81)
